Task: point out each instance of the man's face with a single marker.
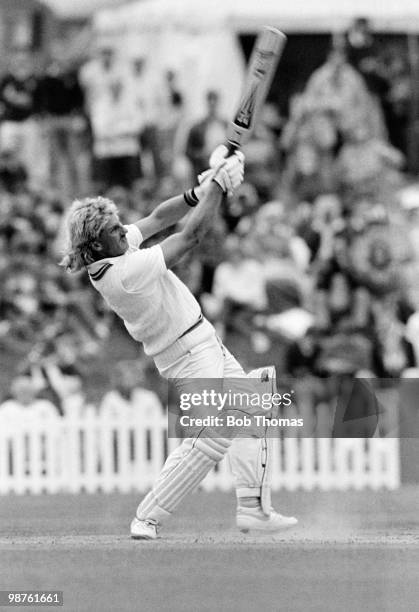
(112, 240)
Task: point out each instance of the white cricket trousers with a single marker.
(200, 354)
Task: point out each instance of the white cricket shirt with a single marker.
(155, 305)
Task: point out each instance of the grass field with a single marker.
(356, 551)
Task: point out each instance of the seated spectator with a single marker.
(284, 256)
(131, 390)
(55, 372)
(301, 356)
(209, 254)
(239, 286)
(239, 209)
(23, 396)
(127, 376)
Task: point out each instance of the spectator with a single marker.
(205, 135)
(360, 43)
(61, 102)
(55, 372)
(159, 106)
(23, 395)
(114, 120)
(397, 102)
(171, 127)
(13, 174)
(239, 280)
(147, 93)
(131, 388)
(209, 254)
(20, 133)
(336, 87)
(284, 257)
(365, 163)
(262, 157)
(239, 209)
(281, 270)
(37, 302)
(364, 55)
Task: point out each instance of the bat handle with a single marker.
(231, 148)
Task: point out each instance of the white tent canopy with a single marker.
(248, 15)
(202, 50)
(77, 9)
(197, 38)
(323, 15)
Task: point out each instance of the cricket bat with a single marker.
(262, 65)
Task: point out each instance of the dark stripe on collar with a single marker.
(98, 275)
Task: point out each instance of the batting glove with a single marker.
(217, 156)
(230, 173)
(193, 196)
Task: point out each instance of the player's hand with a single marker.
(230, 173)
(217, 156)
(205, 177)
(204, 181)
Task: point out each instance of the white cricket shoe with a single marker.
(143, 530)
(254, 519)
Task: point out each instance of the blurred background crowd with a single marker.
(312, 265)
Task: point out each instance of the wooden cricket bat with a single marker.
(262, 65)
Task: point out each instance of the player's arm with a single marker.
(164, 215)
(226, 178)
(173, 210)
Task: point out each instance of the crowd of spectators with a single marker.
(307, 267)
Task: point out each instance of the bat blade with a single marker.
(262, 66)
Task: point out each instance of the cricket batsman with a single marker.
(160, 311)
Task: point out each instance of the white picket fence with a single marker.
(122, 446)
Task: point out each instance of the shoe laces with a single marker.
(153, 523)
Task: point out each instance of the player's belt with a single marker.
(192, 327)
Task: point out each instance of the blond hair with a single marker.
(83, 224)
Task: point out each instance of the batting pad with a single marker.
(251, 459)
(181, 474)
(250, 462)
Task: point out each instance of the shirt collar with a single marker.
(97, 269)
